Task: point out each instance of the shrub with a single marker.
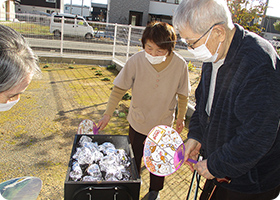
(105, 79)
(98, 74)
(111, 67)
(126, 97)
(191, 67)
(277, 25)
(122, 114)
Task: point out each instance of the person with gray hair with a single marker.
(18, 64)
(235, 125)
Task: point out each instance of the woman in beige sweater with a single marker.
(158, 77)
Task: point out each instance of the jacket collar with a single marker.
(235, 43)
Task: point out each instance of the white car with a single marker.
(74, 25)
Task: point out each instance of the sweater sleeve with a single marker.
(115, 97)
(182, 106)
(194, 127)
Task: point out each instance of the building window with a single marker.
(96, 9)
(133, 20)
(51, 1)
(176, 2)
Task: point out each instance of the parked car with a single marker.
(74, 25)
(99, 34)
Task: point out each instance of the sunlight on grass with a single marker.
(28, 28)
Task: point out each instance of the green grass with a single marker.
(28, 28)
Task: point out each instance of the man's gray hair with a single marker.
(17, 60)
(200, 15)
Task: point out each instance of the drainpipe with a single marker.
(264, 14)
(108, 11)
(82, 8)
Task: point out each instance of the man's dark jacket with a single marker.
(241, 137)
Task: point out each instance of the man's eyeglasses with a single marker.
(191, 45)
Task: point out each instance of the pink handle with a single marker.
(192, 161)
(95, 129)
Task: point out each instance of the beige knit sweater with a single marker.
(155, 90)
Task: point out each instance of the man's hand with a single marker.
(192, 150)
(201, 168)
(104, 121)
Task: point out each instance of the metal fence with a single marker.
(111, 41)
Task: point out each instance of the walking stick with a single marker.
(193, 179)
(220, 180)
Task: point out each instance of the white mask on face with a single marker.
(7, 106)
(155, 59)
(203, 54)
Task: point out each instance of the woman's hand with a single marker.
(104, 121)
(180, 124)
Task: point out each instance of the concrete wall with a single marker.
(119, 10)
(161, 8)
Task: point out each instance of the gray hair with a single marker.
(17, 60)
(200, 15)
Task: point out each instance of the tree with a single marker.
(248, 14)
(277, 25)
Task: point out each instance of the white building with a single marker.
(39, 6)
(7, 10)
(77, 10)
(139, 13)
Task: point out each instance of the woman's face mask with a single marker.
(8, 106)
(154, 54)
(10, 97)
(155, 59)
(203, 54)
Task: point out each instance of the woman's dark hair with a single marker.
(161, 33)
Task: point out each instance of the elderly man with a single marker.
(236, 122)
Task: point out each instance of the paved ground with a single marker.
(36, 135)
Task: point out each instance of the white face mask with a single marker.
(7, 106)
(203, 54)
(155, 59)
